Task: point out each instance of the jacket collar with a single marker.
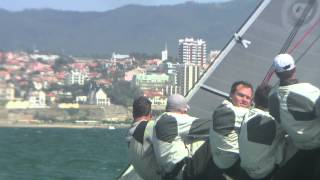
(288, 82)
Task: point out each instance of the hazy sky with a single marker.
(85, 5)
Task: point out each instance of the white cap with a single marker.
(283, 62)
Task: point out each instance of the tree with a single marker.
(123, 93)
(60, 62)
(142, 57)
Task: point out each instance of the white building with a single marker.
(45, 57)
(98, 97)
(101, 98)
(192, 51)
(81, 99)
(170, 68)
(164, 54)
(213, 55)
(77, 77)
(37, 99)
(187, 76)
(7, 91)
(116, 56)
(170, 89)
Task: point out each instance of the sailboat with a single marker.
(275, 26)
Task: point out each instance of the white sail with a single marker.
(271, 29)
(275, 26)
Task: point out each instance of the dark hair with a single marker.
(237, 83)
(261, 96)
(141, 107)
(286, 74)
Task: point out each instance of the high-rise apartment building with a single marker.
(187, 76)
(192, 51)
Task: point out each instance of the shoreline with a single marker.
(110, 126)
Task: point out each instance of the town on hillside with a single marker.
(48, 88)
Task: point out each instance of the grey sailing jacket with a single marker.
(293, 106)
(141, 154)
(263, 144)
(172, 138)
(224, 133)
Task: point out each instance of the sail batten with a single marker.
(215, 91)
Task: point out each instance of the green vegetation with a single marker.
(3, 103)
(61, 62)
(123, 93)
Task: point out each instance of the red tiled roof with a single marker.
(151, 93)
(4, 73)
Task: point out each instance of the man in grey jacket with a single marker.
(141, 154)
(293, 105)
(179, 148)
(225, 128)
(264, 145)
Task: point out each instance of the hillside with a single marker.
(131, 28)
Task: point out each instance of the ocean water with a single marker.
(62, 153)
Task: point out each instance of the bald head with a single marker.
(177, 102)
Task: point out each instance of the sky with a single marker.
(85, 5)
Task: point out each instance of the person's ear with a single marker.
(185, 110)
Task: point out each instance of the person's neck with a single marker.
(289, 81)
(142, 118)
(178, 112)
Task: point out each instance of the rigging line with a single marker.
(308, 48)
(290, 38)
(297, 26)
(309, 31)
(268, 76)
(310, 45)
(304, 53)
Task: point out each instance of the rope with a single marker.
(297, 26)
(307, 33)
(308, 48)
(292, 35)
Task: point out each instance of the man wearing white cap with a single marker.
(292, 104)
(179, 154)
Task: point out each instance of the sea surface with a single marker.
(62, 153)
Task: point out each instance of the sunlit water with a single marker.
(58, 153)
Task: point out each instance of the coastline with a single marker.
(110, 126)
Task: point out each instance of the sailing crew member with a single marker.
(141, 154)
(293, 105)
(263, 144)
(224, 132)
(179, 153)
